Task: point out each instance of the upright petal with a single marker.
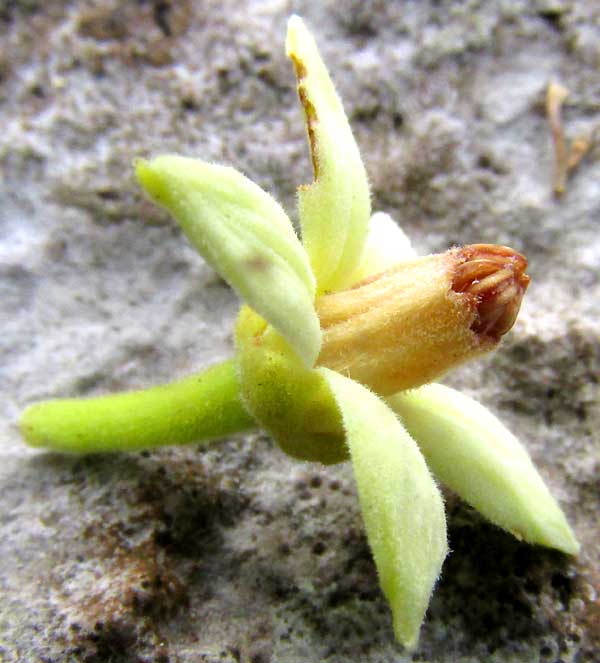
(387, 245)
(246, 236)
(401, 505)
(472, 452)
(335, 209)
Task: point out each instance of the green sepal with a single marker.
(198, 408)
(334, 210)
(473, 453)
(401, 505)
(246, 236)
(293, 404)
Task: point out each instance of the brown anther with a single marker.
(494, 276)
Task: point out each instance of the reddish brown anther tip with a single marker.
(494, 276)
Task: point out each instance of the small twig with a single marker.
(555, 98)
(579, 148)
(566, 157)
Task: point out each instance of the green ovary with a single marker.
(201, 407)
(294, 404)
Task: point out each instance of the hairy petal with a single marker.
(387, 245)
(335, 208)
(401, 505)
(472, 452)
(246, 236)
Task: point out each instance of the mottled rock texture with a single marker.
(237, 553)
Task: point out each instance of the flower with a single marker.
(336, 347)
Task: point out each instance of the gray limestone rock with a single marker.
(237, 553)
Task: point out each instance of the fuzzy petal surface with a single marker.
(245, 235)
(386, 245)
(401, 505)
(335, 208)
(473, 453)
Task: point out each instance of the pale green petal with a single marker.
(246, 236)
(334, 210)
(401, 505)
(387, 245)
(468, 449)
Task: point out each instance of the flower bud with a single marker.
(411, 324)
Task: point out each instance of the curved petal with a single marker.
(246, 236)
(401, 505)
(334, 210)
(470, 450)
(387, 245)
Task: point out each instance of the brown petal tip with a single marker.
(495, 278)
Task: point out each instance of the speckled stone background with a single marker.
(237, 553)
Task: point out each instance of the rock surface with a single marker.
(237, 553)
